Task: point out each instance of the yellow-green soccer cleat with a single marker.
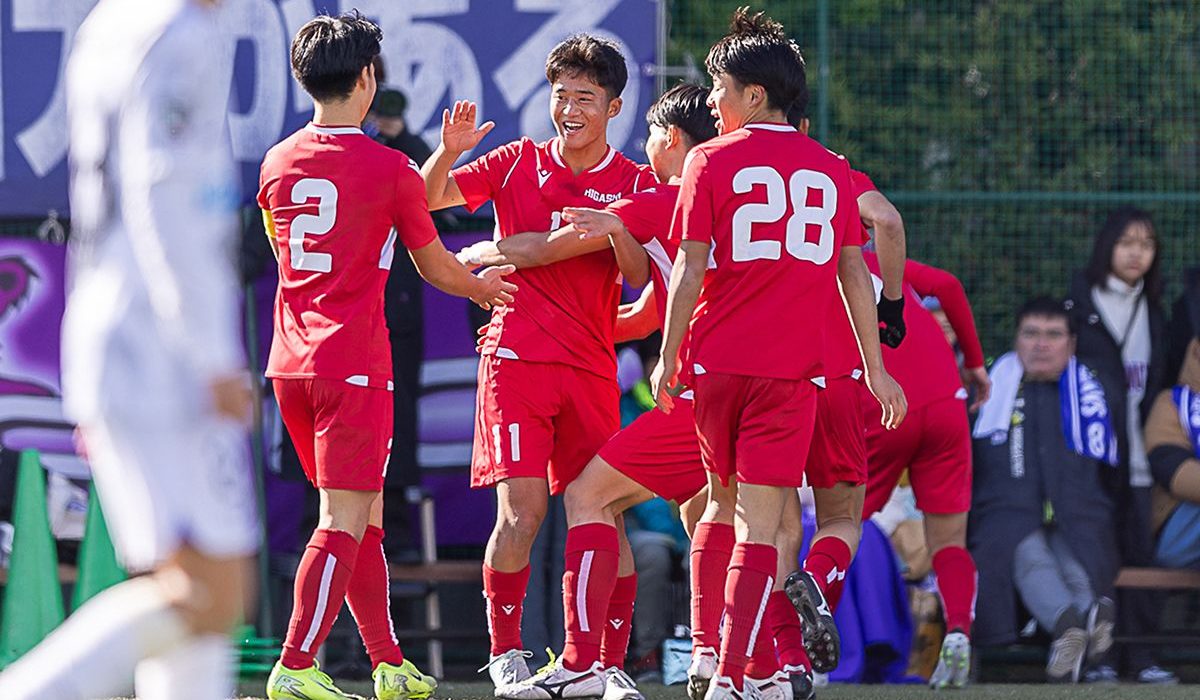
(403, 682)
(306, 684)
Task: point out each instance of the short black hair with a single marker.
(757, 52)
(598, 60)
(1100, 264)
(798, 112)
(1046, 307)
(684, 106)
(329, 53)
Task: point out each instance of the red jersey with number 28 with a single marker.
(776, 206)
(338, 200)
(565, 312)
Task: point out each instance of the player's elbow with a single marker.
(889, 224)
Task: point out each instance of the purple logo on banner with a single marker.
(31, 309)
(436, 51)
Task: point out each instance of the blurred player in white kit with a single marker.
(153, 370)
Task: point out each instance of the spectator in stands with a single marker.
(1185, 322)
(1173, 439)
(1116, 303)
(1041, 519)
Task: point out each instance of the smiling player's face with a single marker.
(581, 110)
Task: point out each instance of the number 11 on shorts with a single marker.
(514, 440)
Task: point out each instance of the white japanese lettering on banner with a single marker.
(430, 50)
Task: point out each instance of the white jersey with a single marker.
(152, 313)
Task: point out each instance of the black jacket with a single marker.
(1185, 323)
(1096, 348)
(1009, 500)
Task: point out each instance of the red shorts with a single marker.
(757, 428)
(839, 444)
(342, 432)
(661, 452)
(934, 444)
(539, 419)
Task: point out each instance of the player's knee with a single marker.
(584, 505)
(211, 595)
(521, 522)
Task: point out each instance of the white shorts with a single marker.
(162, 488)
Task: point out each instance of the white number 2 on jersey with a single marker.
(321, 223)
(771, 211)
(312, 225)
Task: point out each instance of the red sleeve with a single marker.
(861, 183)
(932, 281)
(481, 179)
(643, 215)
(261, 198)
(694, 210)
(410, 213)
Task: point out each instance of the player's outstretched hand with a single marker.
(979, 380)
(232, 397)
(891, 398)
(592, 223)
(661, 381)
(498, 292)
(459, 133)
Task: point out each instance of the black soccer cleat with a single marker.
(821, 638)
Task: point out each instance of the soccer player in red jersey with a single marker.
(934, 445)
(772, 209)
(548, 395)
(334, 202)
(837, 464)
(658, 454)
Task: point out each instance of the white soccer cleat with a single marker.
(619, 686)
(701, 671)
(801, 679)
(555, 682)
(954, 662)
(777, 687)
(722, 688)
(508, 668)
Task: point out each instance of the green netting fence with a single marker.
(1004, 130)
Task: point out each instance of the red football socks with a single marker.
(588, 580)
(505, 594)
(828, 560)
(785, 629)
(712, 547)
(615, 645)
(370, 602)
(321, 581)
(747, 590)
(957, 581)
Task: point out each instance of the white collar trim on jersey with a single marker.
(333, 130)
(608, 156)
(770, 126)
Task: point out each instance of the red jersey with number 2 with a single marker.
(564, 312)
(776, 206)
(338, 201)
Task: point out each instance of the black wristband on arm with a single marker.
(891, 315)
(1165, 460)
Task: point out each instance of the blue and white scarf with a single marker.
(1087, 423)
(1188, 403)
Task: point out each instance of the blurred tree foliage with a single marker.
(1005, 130)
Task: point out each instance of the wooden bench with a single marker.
(425, 579)
(1158, 579)
(66, 574)
(1133, 578)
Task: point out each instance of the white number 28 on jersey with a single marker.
(778, 193)
(319, 224)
